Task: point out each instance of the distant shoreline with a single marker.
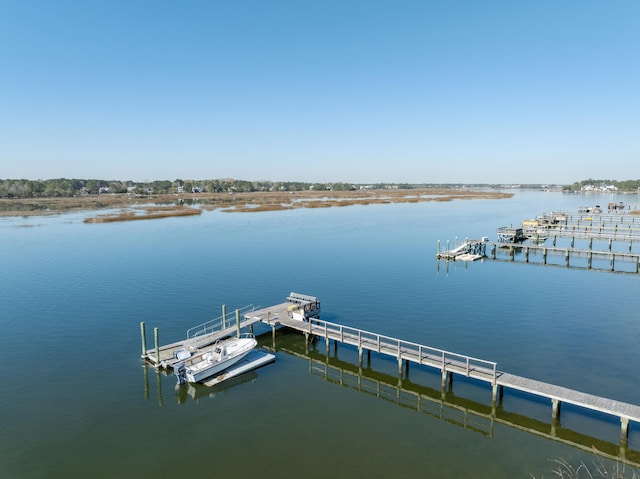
(237, 202)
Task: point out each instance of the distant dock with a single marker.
(527, 243)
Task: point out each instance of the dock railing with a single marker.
(446, 361)
(216, 324)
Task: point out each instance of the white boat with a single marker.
(221, 356)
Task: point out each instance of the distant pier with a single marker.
(528, 242)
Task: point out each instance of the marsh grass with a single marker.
(596, 470)
(252, 202)
(149, 213)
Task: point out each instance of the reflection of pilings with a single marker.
(159, 383)
(401, 396)
(459, 411)
(145, 368)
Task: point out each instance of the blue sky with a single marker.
(513, 91)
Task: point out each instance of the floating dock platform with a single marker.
(251, 361)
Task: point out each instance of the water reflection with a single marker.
(442, 404)
(400, 390)
(188, 391)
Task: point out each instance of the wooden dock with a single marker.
(450, 363)
(301, 313)
(200, 337)
(528, 253)
(574, 257)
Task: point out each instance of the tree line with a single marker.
(63, 187)
(620, 185)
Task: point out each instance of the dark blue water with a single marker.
(76, 400)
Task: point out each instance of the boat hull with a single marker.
(221, 357)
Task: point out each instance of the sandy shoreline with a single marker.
(238, 202)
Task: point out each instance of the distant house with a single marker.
(197, 189)
(180, 189)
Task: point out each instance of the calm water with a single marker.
(76, 401)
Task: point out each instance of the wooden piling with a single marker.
(238, 322)
(224, 316)
(624, 430)
(555, 409)
(143, 335)
(157, 344)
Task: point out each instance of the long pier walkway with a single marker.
(301, 313)
(450, 363)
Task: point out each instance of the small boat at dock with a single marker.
(222, 355)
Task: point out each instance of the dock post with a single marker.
(360, 356)
(143, 333)
(157, 344)
(554, 239)
(438, 247)
(624, 430)
(613, 261)
(399, 366)
(573, 240)
(566, 258)
(610, 242)
(224, 316)
(555, 409)
(590, 243)
(447, 377)
(273, 335)
(238, 322)
(589, 260)
(526, 254)
(544, 255)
